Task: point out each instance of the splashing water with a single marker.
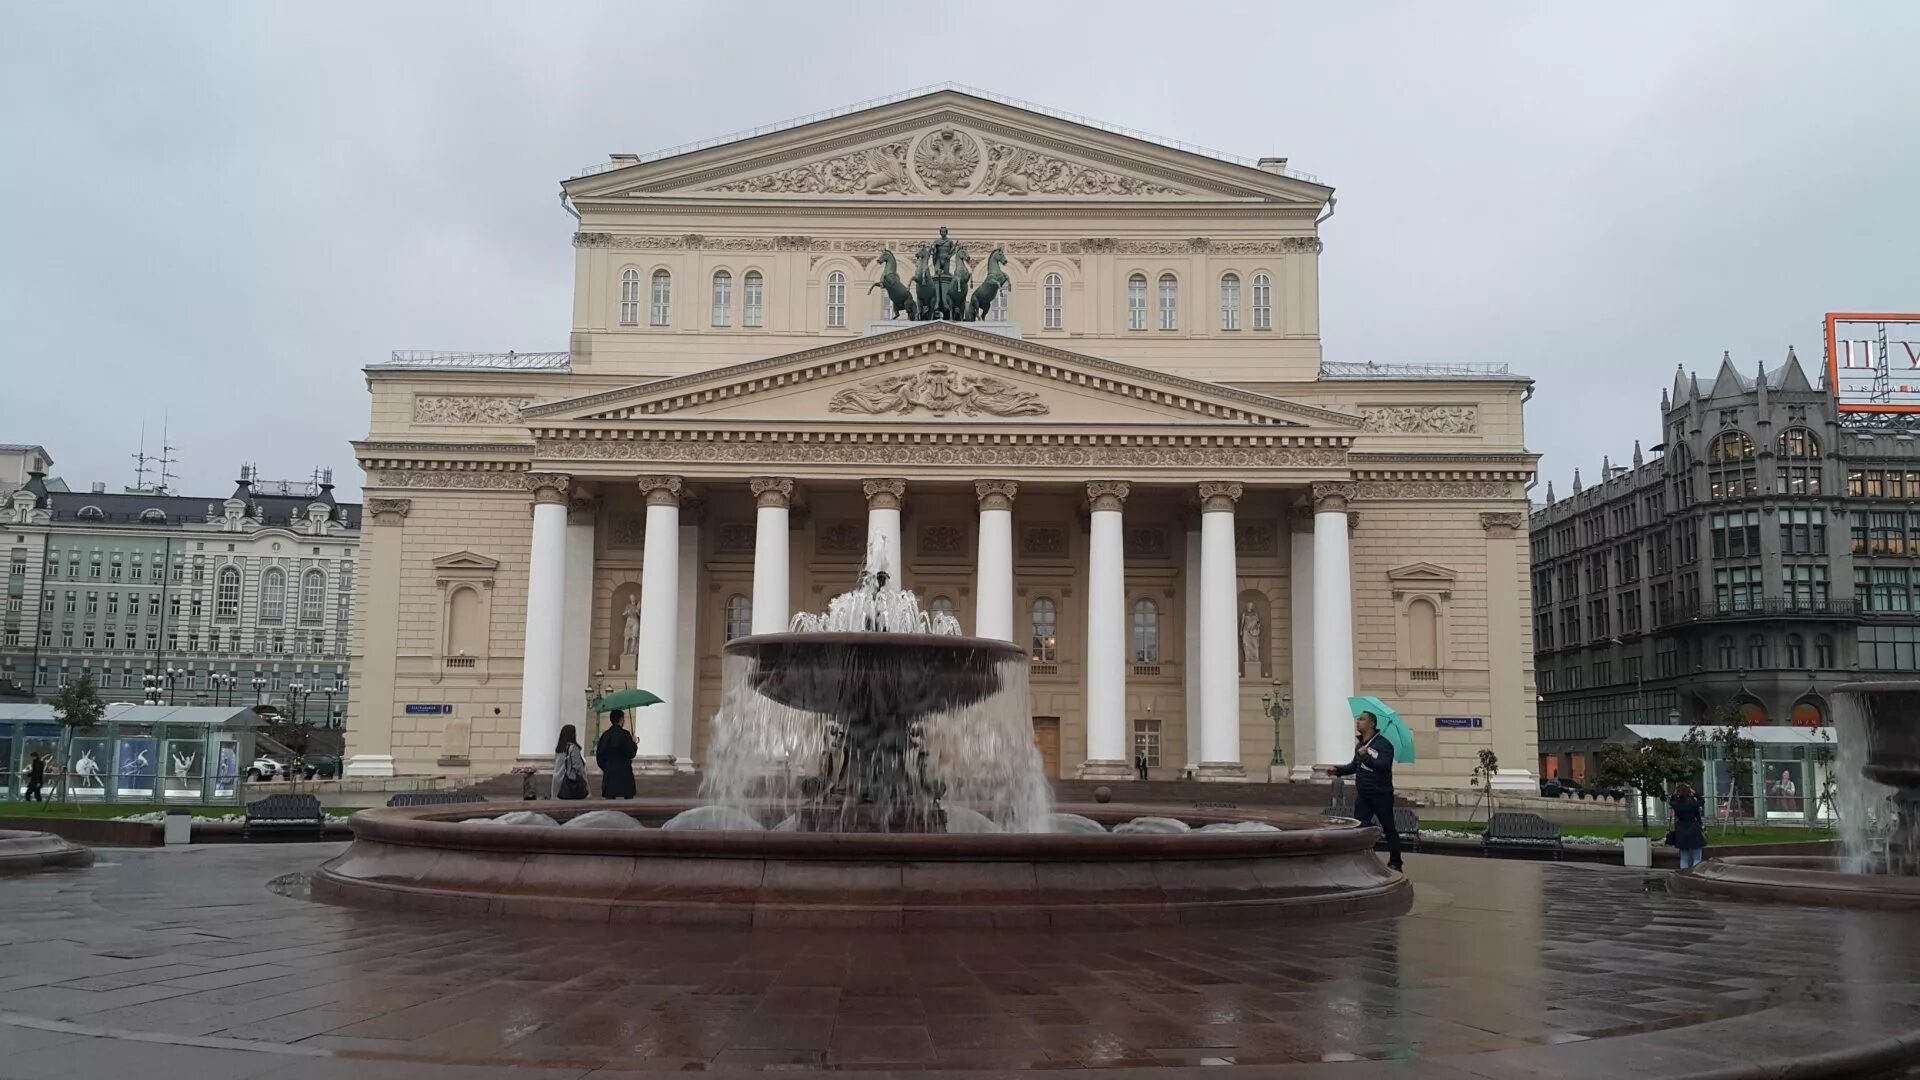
(1860, 803)
(876, 716)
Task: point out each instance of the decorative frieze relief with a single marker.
(1146, 542)
(492, 479)
(939, 390)
(942, 539)
(468, 409)
(734, 538)
(1439, 489)
(1255, 538)
(1015, 170)
(1043, 541)
(865, 248)
(1421, 419)
(398, 509)
(984, 453)
(840, 538)
(945, 160)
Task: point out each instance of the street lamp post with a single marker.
(337, 687)
(150, 688)
(173, 678)
(1278, 704)
(223, 683)
(259, 690)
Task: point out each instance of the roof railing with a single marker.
(426, 359)
(904, 95)
(1338, 370)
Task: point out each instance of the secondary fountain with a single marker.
(1878, 726)
(872, 767)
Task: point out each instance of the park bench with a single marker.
(285, 815)
(1405, 821)
(435, 798)
(1508, 830)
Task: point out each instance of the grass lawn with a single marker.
(103, 811)
(1716, 837)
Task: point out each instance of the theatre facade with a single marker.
(1063, 381)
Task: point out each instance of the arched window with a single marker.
(1137, 302)
(1262, 302)
(755, 299)
(1146, 632)
(630, 297)
(1724, 647)
(1230, 302)
(313, 595)
(1808, 714)
(1796, 651)
(226, 593)
(940, 610)
(836, 299)
(1423, 636)
(997, 311)
(1046, 625)
(1799, 453)
(1753, 714)
(739, 616)
(722, 298)
(1823, 651)
(273, 594)
(466, 629)
(1756, 651)
(662, 298)
(1169, 302)
(91, 513)
(1730, 467)
(1053, 299)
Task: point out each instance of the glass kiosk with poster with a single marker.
(187, 755)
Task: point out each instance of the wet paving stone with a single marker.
(214, 960)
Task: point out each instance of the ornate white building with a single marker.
(1137, 462)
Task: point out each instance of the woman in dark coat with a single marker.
(614, 754)
(1689, 829)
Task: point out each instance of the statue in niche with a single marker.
(1250, 636)
(631, 645)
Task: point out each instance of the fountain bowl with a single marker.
(902, 674)
(1797, 879)
(1892, 725)
(424, 858)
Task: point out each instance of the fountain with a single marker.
(870, 767)
(1878, 725)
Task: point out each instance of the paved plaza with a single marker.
(209, 962)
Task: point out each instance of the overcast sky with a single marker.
(217, 213)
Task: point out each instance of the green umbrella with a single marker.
(1390, 725)
(625, 699)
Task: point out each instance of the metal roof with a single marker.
(123, 713)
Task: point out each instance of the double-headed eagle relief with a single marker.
(943, 285)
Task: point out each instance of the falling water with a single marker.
(1860, 803)
(864, 719)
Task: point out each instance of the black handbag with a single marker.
(572, 787)
(1668, 840)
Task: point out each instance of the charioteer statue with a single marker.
(942, 277)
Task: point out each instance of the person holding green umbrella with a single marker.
(1372, 771)
(615, 749)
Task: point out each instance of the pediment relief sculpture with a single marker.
(940, 390)
(876, 170)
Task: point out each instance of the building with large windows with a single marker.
(1767, 553)
(245, 599)
(1133, 458)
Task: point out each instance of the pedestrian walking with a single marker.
(1372, 772)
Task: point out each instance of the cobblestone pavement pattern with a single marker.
(208, 962)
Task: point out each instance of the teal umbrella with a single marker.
(1390, 724)
(625, 699)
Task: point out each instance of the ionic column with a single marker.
(883, 523)
(1219, 635)
(1300, 598)
(546, 628)
(657, 664)
(1108, 756)
(1332, 625)
(1509, 706)
(993, 613)
(576, 642)
(771, 597)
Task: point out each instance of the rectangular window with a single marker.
(1602, 672)
(1737, 588)
(73, 602)
(1546, 680)
(1137, 303)
(86, 639)
(1890, 648)
(1882, 588)
(1886, 533)
(756, 293)
(66, 637)
(153, 641)
(1169, 303)
(1804, 587)
(1146, 742)
(113, 603)
(93, 603)
(1736, 535)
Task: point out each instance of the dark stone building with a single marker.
(1766, 551)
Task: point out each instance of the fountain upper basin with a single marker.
(901, 674)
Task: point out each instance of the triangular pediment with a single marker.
(937, 372)
(1415, 575)
(946, 144)
(465, 560)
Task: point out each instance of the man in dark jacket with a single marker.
(1372, 772)
(614, 754)
(36, 776)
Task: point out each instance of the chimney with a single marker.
(99, 487)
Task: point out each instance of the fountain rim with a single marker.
(897, 639)
(441, 826)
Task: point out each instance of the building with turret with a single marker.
(1762, 552)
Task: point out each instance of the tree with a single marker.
(1483, 777)
(1726, 737)
(77, 706)
(1650, 768)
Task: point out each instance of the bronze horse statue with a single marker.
(996, 280)
(904, 305)
(962, 277)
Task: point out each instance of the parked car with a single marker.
(324, 766)
(1553, 787)
(265, 768)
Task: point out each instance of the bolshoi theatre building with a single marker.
(1065, 381)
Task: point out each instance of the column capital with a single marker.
(387, 511)
(1108, 494)
(884, 493)
(1218, 496)
(772, 492)
(581, 510)
(996, 494)
(661, 490)
(1300, 518)
(1501, 525)
(549, 488)
(1332, 496)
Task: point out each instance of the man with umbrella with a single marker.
(1372, 770)
(615, 749)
